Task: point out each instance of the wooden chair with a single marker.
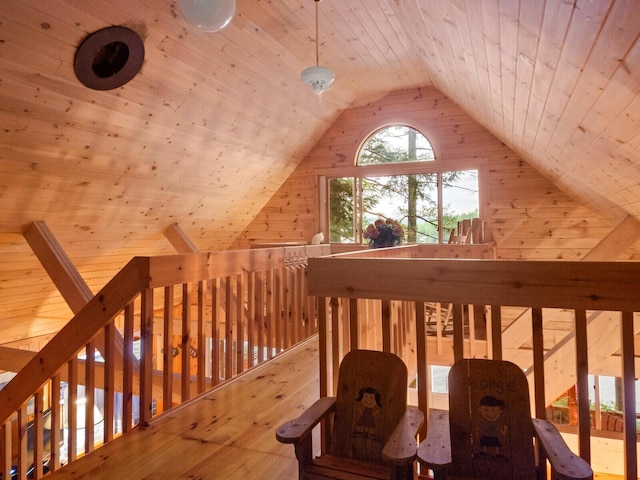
(455, 239)
(488, 432)
(373, 433)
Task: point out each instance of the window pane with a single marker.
(408, 199)
(460, 198)
(439, 379)
(395, 144)
(341, 210)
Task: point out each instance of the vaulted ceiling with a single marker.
(215, 122)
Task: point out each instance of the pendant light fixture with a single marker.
(208, 15)
(319, 78)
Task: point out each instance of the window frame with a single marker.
(438, 166)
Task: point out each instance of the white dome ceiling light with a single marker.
(208, 15)
(319, 78)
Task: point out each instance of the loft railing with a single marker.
(184, 324)
(498, 309)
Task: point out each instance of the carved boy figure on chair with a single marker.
(492, 430)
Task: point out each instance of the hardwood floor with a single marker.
(227, 434)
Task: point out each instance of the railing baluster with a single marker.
(496, 332)
(201, 340)
(582, 384)
(538, 362)
(56, 423)
(185, 344)
(168, 348)
(287, 307)
(23, 460)
(252, 322)
(386, 325)
(278, 311)
(5, 449)
(72, 411)
(128, 366)
(146, 357)
(422, 364)
(270, 315)
(215, 332)
(458, 332)
(323, 346)
(38, 434)
(240, 323)
(334, 305)
(109, 381)
(259, 313)
(89, 398)
(353, 324)
(228, 324)
(629, 395)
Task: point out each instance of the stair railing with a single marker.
(189, 323)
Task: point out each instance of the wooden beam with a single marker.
(13, 359)
(616, 242)
(64, 274)
(58, 266)
(179, 239)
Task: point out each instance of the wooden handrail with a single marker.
(543, 284)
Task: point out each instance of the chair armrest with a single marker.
(434, 451)
(563, 461)
(401, 446)
(294, 430)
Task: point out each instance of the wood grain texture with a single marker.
(228, 433)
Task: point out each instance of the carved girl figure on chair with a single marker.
(492, 430)
(367, 435)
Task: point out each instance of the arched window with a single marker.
(426, 203)
(395, 144)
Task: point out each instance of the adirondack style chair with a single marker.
(373, 433)
(488, 432)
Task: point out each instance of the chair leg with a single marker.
(403, 472)
(304, 453)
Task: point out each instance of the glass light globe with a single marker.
(208, 15)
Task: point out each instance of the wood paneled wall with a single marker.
(528, 217)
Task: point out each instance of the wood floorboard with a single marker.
(228, 433)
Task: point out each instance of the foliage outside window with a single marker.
(426, 205)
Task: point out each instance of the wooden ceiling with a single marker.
(215, 122)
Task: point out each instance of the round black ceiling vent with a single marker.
(109, 58)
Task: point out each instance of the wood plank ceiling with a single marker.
(215, 123)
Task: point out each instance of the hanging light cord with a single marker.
(317, 41)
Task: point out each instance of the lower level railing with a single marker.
(562, 322)
(162, 332)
